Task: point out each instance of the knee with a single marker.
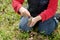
(23, 24)
(25, 28)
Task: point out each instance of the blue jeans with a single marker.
(46, 27)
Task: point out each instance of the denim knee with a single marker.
(23, 24)
(47, 27)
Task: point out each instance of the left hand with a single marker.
(35, 20)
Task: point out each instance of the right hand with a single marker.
(24, 12)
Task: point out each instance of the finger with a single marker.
(29, 21)
(32, 24)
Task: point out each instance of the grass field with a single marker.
(9, 24)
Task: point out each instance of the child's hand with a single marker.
(34, 21)
(24, 12)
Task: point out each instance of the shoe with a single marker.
(57, 17)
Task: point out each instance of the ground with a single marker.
(9, 24)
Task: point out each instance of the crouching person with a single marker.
(41, 12)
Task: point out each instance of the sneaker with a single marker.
(57, 17)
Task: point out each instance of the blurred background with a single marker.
(9, 24)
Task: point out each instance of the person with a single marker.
(41, 12)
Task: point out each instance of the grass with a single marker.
(58, 6)
(9, 24)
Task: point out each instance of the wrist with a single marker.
(38, 18)
(20, 10)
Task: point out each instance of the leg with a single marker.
(48, 26)
(23, 24)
